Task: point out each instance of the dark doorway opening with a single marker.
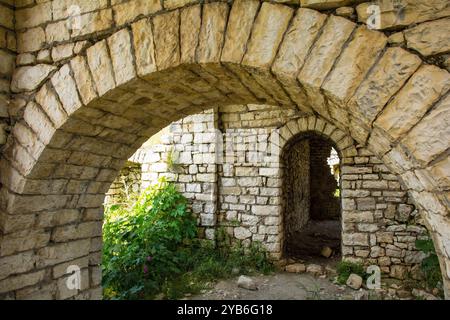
(311, 204)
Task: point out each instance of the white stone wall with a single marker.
(240, 187)
(190, 143)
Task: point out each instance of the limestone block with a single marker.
(241, 233)
(25, 58)
(440, 172)
(101, 67)
(58, 253)
(346, 12)
(83, 79)
(77, 231)
(296, 44)
(144, 47)
(173, 4)
(33, 16)
(397, 38)
(239, 27)
(7, 17)
(20, 281)
(121, 56)
(38, 121)
(431, 136)
(353, 64)
(44, 56)
(6, 63)
(212, 32)
(354, 281)
(355, 239)
(51, 105)
(31, 40)
(398, 272)
(268, 30)
(264, 210)
(23, 240)
(166, 38)
(91, 22)
(57, 32)
(387, 77)
(63, 51)
(295, 268)
(38, 292)
(423, 89)
(56, 218)
(128, 11)
(30, 77)
(19, 263)
(190, 22)
(66, 89)
(325, 51)
(247, 283)
(429, 38)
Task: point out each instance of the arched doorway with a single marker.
(98, 108)
(311, 197)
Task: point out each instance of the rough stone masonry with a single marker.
(83, 84)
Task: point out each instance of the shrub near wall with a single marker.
(144, 243)
(151, 249)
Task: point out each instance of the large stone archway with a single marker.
(97, 109)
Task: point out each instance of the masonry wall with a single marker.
(296, 187)
(184, 153)
(49, 35)
(50, 32)
(127, 184)
(244, 190)
(7, 63)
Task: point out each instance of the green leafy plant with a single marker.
(345, 268)
(430, 265)
(151, 249)
(142, 242)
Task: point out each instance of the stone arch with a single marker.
(99, 107)
(297, 130)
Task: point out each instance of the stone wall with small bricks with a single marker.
(127, 184)
(95, 79)
(245, 191)
(185, 153)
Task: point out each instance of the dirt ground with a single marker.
(280, 286)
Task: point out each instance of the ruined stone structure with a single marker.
(248, 186)
(90, 81)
